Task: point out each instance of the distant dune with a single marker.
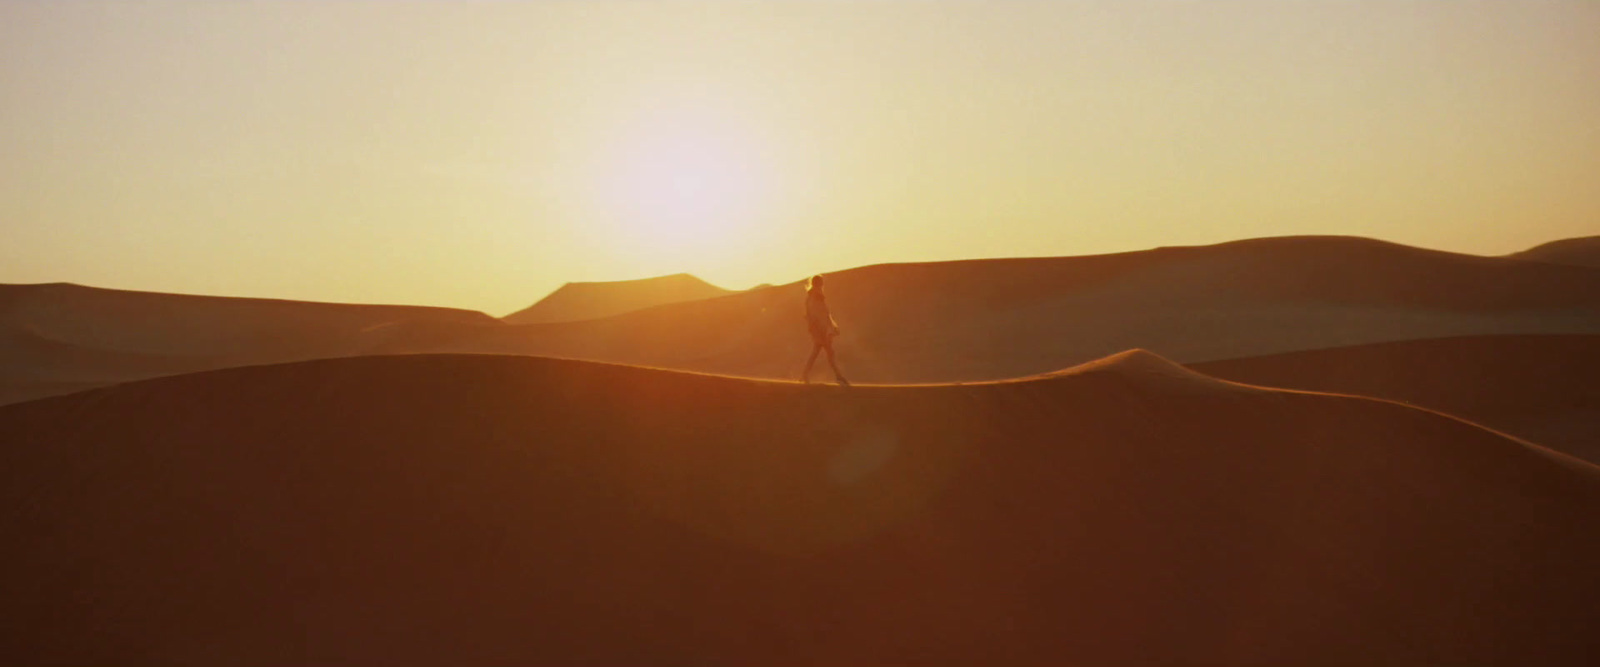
(1583, 251)
(991, 319)
(59, 336)
(478, 509)
(902, 323)
(588, 301)
(1542, 388)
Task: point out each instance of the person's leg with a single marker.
(837, 376)
(806, 376)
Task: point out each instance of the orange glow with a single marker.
(481, 154)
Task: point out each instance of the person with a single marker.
(819, 322)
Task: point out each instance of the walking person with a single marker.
(819, 322)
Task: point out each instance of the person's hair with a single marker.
(814, 284)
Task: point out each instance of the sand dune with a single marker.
(55, 337)
(480, 509)
(588, 301)
(992, 319)
(933, 322)
(1542, 388)
(1582, 251)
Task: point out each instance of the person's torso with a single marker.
(817, 315)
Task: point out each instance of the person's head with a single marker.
(814, 284)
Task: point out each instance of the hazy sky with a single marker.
(479, 154)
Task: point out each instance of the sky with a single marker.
(480, 154)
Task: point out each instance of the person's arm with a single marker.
(827, 314)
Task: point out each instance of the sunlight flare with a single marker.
(689, 184)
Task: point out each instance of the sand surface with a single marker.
(443, 509)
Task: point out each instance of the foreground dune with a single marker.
(1542, 388)
(480, 509)
(1002, 318)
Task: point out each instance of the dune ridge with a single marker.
(449, 509)
(1538, 387)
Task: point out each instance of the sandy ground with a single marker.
(442, 509)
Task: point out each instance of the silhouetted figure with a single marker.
(822, 327)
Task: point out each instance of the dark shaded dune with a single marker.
(1540, 387)
(196, 325)
(478, 509)
(1582, 251)
(57, 335)
(35, 357)
(992, 319)
(587, 301)
(32, 366)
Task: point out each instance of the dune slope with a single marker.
(480, 509)
(1542, 388)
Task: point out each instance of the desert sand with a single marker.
(474, 509)
(1543, 388)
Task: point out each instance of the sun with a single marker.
(686, 184)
